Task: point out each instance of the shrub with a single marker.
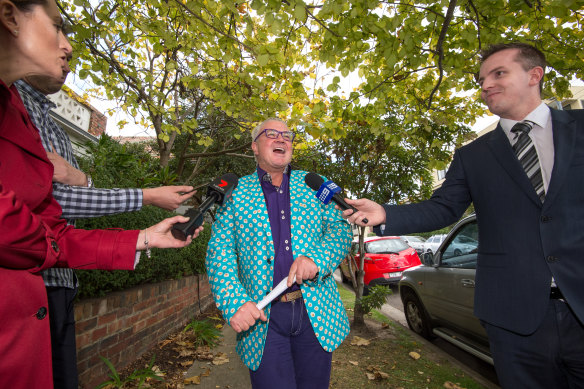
(112, 164)
(375, 299)
(165, 263)
(205, 332)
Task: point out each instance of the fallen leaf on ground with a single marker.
(451, 385)
(165, 342)
(373, 371)
(186, 363)
(414, 355)
(359, 341)
(196, 380)
(184, 352)
(157, 371)
(354, 363)
(384, 325)
(220, 359)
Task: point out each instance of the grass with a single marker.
(387, 358)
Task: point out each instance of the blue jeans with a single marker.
(293, 358)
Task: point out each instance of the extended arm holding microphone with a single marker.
(327, 191)
(219, 192)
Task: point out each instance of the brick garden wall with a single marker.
(124, 325)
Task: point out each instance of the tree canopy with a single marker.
(174, 64)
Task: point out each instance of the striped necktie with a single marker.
(527, 155)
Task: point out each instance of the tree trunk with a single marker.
(358, 312)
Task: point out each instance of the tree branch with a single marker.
(440, 48)
(216, 153)
(250, 49)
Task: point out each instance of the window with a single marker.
(461, 251)
(385, 246)
(441, 174)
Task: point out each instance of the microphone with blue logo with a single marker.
(327, 191)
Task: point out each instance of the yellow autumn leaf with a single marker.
(358, 341)
(196, 380)
(414, 355)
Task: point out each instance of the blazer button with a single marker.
(55, 246)
(551, 258)
(41, 313)
(546, 219)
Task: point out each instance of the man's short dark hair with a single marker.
(528, 56)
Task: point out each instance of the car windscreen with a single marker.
(385, 246)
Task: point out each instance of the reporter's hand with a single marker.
(246, 316)
(160, 235)
(367, 209)
(303, 268)
(64, 172)
(167, 197)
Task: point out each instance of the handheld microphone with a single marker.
(327, 191)
(218, 191)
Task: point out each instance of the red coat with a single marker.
(33, 237)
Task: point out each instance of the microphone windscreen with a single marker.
(231, 178)
(313, 180)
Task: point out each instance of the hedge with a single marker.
(163, 265)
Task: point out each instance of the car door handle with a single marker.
(467, 283)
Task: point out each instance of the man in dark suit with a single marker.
(526, 182)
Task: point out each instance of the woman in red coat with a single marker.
(33, 236)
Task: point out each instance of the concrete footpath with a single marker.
(235, 375)
(227, 375)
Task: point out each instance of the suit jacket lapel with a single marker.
(564, 133)
(501, 148)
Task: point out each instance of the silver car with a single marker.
(415, 242)
(438, 296)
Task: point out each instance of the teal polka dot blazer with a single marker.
(241, 245)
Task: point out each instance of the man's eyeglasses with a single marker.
(273, 134)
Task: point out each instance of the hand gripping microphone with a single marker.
(218, 191)
(327, 191)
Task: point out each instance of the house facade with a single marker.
(82, 122)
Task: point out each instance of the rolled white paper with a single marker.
(282, 286)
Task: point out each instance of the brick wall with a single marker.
(124, 325)
(97, 122)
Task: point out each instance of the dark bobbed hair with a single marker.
(527, 55)
(26, 5)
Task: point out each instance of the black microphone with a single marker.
(218, 191)
(324, 189)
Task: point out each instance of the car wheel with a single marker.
(365, 290)
(457, 252)
(416, 315)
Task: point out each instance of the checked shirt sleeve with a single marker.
(82, 202)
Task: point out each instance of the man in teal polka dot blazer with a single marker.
(274, 227)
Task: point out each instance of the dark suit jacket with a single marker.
(522, 242)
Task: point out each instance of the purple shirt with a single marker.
(278, 204)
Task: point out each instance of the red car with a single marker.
(386, 257)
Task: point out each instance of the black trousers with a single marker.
(62, 321)
(550, 358)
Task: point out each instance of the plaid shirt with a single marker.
(76, 201)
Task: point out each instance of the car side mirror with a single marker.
(428, 259)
